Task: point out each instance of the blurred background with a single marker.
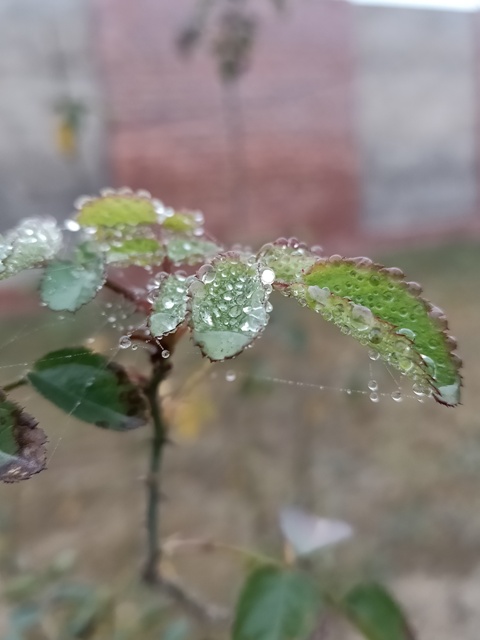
(350, 125)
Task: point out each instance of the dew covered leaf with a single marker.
(383, 312)
(131, 246)
(289, 259)
(29, 245)
(184, 221)
(170, 306)
(89, 387)
(373, 611)
(276, 604)
(116, 210)
(229, 305)
(68, 284)
(189, 249)
(22, 443)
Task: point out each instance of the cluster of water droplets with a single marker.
(30, 243)
(229, 298)
(288, 258)
(169, 295)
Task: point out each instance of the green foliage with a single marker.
(229, 305)
(372, 610)
(87, 386)
(32, 242)
(69, 284)
(170, 306)
(276, 604)
(116, 210)
(222, 297)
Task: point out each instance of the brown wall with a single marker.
(168, 127)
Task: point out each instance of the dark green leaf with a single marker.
(69, 284)
(22, 443)
(89, 387)
(276, 604)
(373, 611)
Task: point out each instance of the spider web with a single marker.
(103, 326)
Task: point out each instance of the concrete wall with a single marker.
(416, 115)
(34, 177)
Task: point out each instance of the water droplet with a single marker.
(134, 347)
(267, 276)
(71, 225)
(397, 396)
(206, 273)
(373, 385)
(430, 364)
(375, 335)
(165, 353)
(373, 355)
(374, 397)
(362, 317)
(319, 294)
(81, 202)
(168, 304)
(230, 376)
(406, 332)
(124, 342)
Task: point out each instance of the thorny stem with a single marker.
(14, 385)
(160, 370)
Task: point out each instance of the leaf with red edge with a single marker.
(383, 312)
(22, 443)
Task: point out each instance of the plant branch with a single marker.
(14, 385)
(160, 370)
(141, 303)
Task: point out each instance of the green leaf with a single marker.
(190, 250)
(183, 221)
(382, 311)
(276, 604)
(229, 305)
(69, 284)
(116, 210)
(373, 611)
(289, 259)
(170, 306)
(31, 243)
(22, 443)
(131, 246)
(89, 387)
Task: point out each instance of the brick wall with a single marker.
(168, 120)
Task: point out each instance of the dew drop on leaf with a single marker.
(267, 276)
(124, 342)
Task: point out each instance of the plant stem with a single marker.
(151, 573)
(14, 385)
